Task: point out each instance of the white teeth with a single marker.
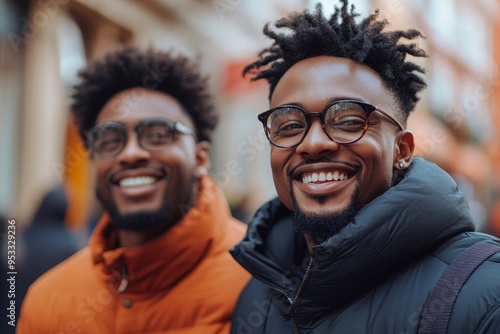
(323, 176)
(137, 181)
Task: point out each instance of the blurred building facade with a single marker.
(45, 43)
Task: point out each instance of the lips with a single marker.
(323, 172)
(137, 177)
(138, 181)
(324, 176)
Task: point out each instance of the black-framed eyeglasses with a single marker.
(344, 121)
(108, 138)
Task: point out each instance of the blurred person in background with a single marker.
(362, 230)
(158, 260)
(44, 244)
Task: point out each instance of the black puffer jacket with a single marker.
(376, 274)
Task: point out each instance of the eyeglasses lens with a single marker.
(154, 133)
(286, 126)
(108, 138)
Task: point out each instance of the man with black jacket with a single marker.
(362, 230)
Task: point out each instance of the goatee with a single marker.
(137, 221)
(166, 216)
(322, 226)
(140, 221)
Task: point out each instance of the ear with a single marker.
(404, 147)
(202, 158)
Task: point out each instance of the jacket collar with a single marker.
(410, 219)
(163, 261)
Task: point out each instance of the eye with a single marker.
(286, 122)
(348, 122)
(347, 117)
(156, 134)
(107, 137)
(108, 142)
(290, 126)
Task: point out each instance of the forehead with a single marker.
(314, 82)
(133, 105)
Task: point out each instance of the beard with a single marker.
(322, 226)
(140, 221)
(164, 216)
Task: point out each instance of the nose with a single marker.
(316, 142)
(133, 152)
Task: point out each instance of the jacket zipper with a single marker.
(124, 281)
(293, 306)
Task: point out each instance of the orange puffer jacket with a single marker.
(184, 281)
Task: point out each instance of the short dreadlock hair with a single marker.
(311, 34)
(129, 68)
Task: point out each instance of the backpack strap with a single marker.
(437, 309)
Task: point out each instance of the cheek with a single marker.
(100, 175)
(182, 166)
(377, 149)
(187, 158)
(279, 161)
(100, 169)
(377, 154)
(280, 180)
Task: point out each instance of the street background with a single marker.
(43, 44)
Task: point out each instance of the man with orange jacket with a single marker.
(158, 260)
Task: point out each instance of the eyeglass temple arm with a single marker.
(179, 127)
(395, 121)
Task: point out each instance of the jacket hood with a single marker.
(408, 221)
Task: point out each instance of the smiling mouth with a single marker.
(137, 177)
(324, 176)
(138, 181)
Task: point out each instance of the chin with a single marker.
(142, 220)
(139, 218)
(321, 224)
(323, 205)
(129, 210)
(323, 210)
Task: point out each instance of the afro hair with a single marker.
(309, 35)
(129, 68)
